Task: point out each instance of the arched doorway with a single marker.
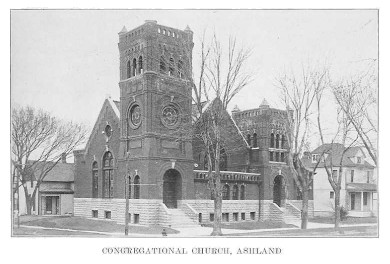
(279, 192)
(171, 188)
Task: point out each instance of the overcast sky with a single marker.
(66, 62)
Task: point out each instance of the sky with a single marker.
(67, 62)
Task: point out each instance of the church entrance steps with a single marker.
(288, 214)
(178, 218)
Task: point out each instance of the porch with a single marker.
(361, 199)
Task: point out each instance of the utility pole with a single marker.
(127, 205)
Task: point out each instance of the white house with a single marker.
(359, 184)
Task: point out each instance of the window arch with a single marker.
(95, 179)
(128, 69)
(140, 66)
(254, 140)
(242, 192)
(223, 160)
(272, 141)
(134, 69)
(136, 187)
(283, 143)
(277, 141)
(171, 67)
(180, 69)
(235, 192)
(248, 139)
(108, 176)
(162, 65)
(226, 192)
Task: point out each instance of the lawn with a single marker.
(254, 225)
(79, 223)
(348, 221)
(35, 232)
(348, 231)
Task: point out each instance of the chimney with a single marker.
(63, 157)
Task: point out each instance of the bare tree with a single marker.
(38, 142)
(357, 98)
(219, 82)
(298, 92)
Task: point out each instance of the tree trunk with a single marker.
(217, 231)
(337, 208)
(305, 208)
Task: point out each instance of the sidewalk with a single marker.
(199, 231)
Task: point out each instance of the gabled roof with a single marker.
(114, 105)
(335, 155)
(61, 172)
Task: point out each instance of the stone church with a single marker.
(143, 137)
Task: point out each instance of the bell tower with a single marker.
(155, 108)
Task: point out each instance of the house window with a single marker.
(95, 213)
(136, 218)
(242, 216)
(314, 158)
(107, 214)
(359, 160)
(352, 175)
(235, 217)
(225, 217)
(211, 217)
(334, 174)
(252, 215)
(368, 176)
(235, 192)
(331, 195)
(365, 198)
(242, 192)
(226, 192)
(136, 187)
(95, 179)
(108, 176)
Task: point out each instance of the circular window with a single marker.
(135, 115)
(108, 131)
(170, 116)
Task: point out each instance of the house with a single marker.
(144, 143)
(55, 193)
(358, 192)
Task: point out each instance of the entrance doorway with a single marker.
(52, 205)
(171, 188)
(279, 194)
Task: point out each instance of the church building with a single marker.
(144, 137)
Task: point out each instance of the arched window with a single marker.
(248, 139)
(171, 67)
(180, 69)
(242, 192)
(235, 192)
(272, 141)
(283, 144)
(254, 140)
(134, 70)
(277, 141)
(277, 156)
(226, 192)
(223, 160)
(95, 179)
(108, 176)
(136, 187)
(282, 157)
(140, 66)
(128, 70)
(162, 65)
(271, 156)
